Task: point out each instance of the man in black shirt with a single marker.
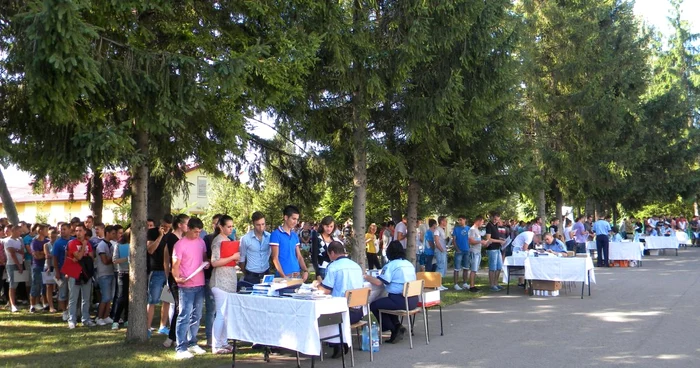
(156, 272)
(493, 236)
(554, 226)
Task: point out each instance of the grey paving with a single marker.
(641, 317)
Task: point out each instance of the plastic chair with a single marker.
(330, 320)
(433, 281)
(410, 289)
(360, 298)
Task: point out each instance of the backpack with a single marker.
(88, 268)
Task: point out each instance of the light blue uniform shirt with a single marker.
(395, 274)
(556, 246)
(341, 275)
(601, 227)
(255, 252)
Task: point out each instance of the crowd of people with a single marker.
(86, 264)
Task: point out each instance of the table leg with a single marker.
(508, 281)
(589, 283)
(583, 287)
(233, 354)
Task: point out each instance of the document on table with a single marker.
(198, 270)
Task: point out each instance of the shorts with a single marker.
(106, 288)
(461, 261)
(155, 286)
(474, 261)
(11, 276)
(495, 260)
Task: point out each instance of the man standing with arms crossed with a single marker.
(77, 249)
(255, 251)
(284, 246)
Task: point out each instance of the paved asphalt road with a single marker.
(636, 317)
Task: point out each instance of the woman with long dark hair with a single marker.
(223, 282)
(319, 247)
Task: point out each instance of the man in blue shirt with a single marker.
(461, 238)
(602, 228)
(59, 255)
(342, 275)
(255, 251)
(554, 246)
(284, 246)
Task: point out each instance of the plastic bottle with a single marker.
(375, 337)
(365, 338)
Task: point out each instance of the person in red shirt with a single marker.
(77, 284)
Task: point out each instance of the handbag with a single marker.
(166, 296)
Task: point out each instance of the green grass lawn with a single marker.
(44, 340)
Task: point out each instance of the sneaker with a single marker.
(108, 321)
(115, 325)
(473, 289)
(442, 288)
(195, 349)
(32, 309)
(182, 355)
(167, 343)
(494, 288)
(465, 286)
(457, 287)
(500, 287)
(14, 309)
(100, 322)
(89, 323)
(65, 316)
(71, 325)
(222, 351)
(164, 331)
(126, 324)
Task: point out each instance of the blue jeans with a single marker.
(191, 300)
(155, 286)
(441, 260)
(210, 311)
(461, 261)
(36, 282)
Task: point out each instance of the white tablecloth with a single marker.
(660, 242)
(559, 268)
(511, 261)
(683, 238)
(622, 251)
(283, 322)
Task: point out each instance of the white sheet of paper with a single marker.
(506, 243)
(198, 270)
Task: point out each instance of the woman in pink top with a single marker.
(188, 255)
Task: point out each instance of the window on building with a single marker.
(201, 186)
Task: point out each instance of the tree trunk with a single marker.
(8, 205)
(159, 201)
(359, 183)
(541, 205)
(590, 207)
(96, 194)
(138, 279)
(412, 215)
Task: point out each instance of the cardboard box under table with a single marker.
(546, 285)
(561, 269)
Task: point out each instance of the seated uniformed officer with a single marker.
(341, 275)
(554, 246)
(393, 276)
